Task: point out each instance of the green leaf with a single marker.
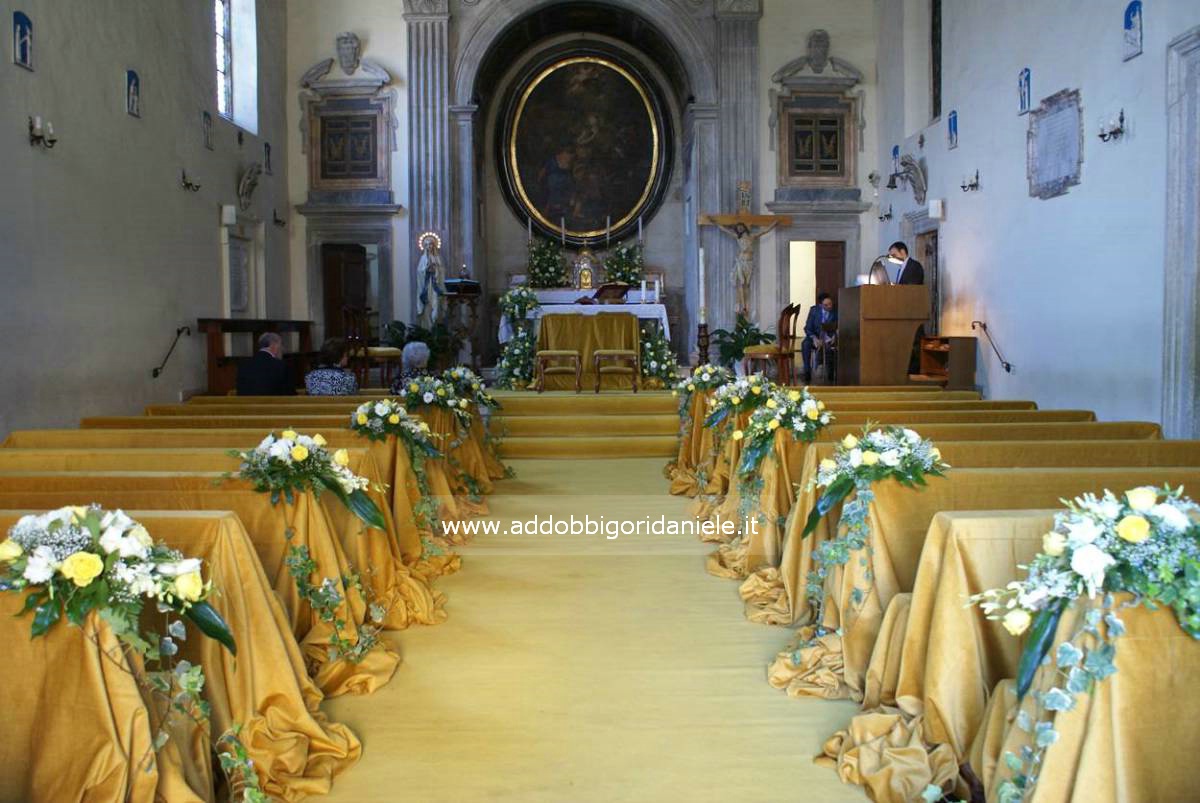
(835, 493)
(45, 616)
(210, 623)
(1041, 636)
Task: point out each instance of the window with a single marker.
(224, 58)
(935, 59)
(817, 148)
(236, 26)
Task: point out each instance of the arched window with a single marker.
(235, 23)
(224, 58)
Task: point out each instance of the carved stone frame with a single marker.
(845, 107)
(1058, 102)
(333, 106)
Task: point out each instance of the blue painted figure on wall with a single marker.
(1024, 88)
(952, 130)
(1133, 29)
(22, 40)
(133, 94)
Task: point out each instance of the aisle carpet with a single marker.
(574, 668)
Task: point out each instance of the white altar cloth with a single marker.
(644, 312)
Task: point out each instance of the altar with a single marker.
(643, 312)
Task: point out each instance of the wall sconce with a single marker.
(278, 221)
(1113, 129)
(970, 185)
(41, 135)
(188, 184)
(885, 215)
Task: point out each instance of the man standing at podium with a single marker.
(910, 271)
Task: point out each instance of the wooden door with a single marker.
(344, 283)
(831, 268)
(926, 252)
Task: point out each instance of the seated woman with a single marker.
(415, 363)
(330, 377)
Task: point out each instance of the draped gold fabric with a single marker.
(491, 458)
(265, 688)
(268, 527)
(857, 593)
(585, 334)
(688, 472)
(936, 661)
(720, 495)
(462, 464)
(1133, 738)
(776, 595)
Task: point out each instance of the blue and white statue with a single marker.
(22, 40)
(133, 94)
(1133, 30)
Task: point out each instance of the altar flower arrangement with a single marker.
(790, 410)
(514, 370)
(658, 358)
(469, 385)
(432, 391)
(890, 453)
(743, 394)
(517, 303)
(625, 263)
(546, 265)
(290, 462)
(76, 560)
(1146, 542)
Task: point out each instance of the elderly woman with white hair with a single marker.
(415, 362)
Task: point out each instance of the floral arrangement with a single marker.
(858, 463)
(658, 358)
(432, 391)
(794, 411)
(291, 462)
(546, 266)
(704, 377)
(74, 561)
(514, 370)
(743, 394)
(517, 303)
(379, 420)
(625, 263)
(469, 385)
(1145, 542)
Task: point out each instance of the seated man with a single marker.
(817, 333)
(330, 377)
(265, 374)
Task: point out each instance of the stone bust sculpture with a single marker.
(349, 51)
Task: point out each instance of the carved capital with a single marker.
(427, 8)
(739, 8)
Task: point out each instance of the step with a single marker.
(584, 424)
(584, 447)
(570, 404)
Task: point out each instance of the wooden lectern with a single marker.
(876, 328)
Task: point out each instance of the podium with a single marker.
(876, 328)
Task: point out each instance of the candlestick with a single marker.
(702, 280)
(608, 231)
(562, 224)
(639, 228)
(529, 228)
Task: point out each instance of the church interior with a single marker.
(600, 400)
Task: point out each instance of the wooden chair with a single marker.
(364, 356)
(623, 362)
(547, 362)
(782, 352)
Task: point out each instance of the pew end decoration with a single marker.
(386, 418)
(431, 391)
(290, 462)
(470, 386)
(891, 453)
(794, 411)
(742, 395)
(705, 378)
(1145, 543)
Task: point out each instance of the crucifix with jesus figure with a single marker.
(746, 228)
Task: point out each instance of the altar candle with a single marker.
(608, 231)
(639, 228)
(562, 224)
(643, 291)
(702, 283)
(529, 228)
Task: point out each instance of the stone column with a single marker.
(737, 76)
(429, 125)
(465, 212)
(703, 176)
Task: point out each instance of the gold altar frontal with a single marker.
(586, 334)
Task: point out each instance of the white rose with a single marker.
(306, 442)
(265, 444)
(890, 458)
(705, 377)
(856, 458)
(428, 397)
(1171, 517)
(807, 405)
(1082, 531)
(911, 436)
(111, 538)
(1109, 509)
(381, 408)
(40, 567)
(281, 450)
(1090, 562)
(116, 518)
(182, 567)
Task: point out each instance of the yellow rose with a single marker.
(813, 414)
(1142, 499)
(794, 395)
(935, 453)
(441, 392)
(299, 453)
(462, 403)
(674, 393)
(691, 387)
(1017, 621)
(1054, 543)
(738, 434)
(870, 458)
(139, 534)
(774, 425)
(319, 440)
(393, 419)
(189, 587)
(82, 568)
(772, 404)
(341, 457)
(424, 427)
(413, 387)
(361, 418)
(288, 434)
(1133, 529)
(734, 400)
(849, 441)
(821, 405)
(474, 386)
(828, 465)
(756, 390)
(10, 550)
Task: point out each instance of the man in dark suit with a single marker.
(265, 374)
(816, 335)
(911, 271)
